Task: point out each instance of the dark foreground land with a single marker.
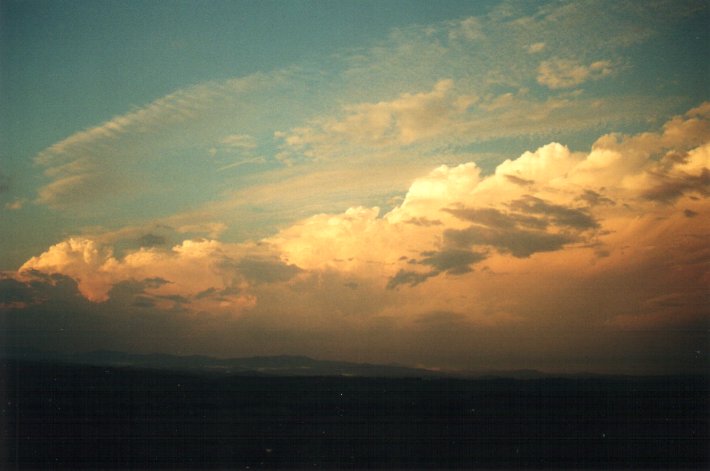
(69, 416)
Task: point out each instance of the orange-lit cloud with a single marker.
(620, 208)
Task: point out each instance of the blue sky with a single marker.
(68, 66)
(84, 62)
(303, 141)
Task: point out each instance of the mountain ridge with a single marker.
(277, 365)
(274, 365)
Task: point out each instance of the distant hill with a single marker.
(281, 365)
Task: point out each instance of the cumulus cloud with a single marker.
(449, 221)
(549, 206)
(505, 263)
(171, 276)
(83, 260)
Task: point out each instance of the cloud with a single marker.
(239, 141)
(235, 151)
(185, 270)
(519, 243)
(239, 163)
(668, 181)
(15, 204)
(450, 261)
(560, 215)
(469, 29)
(532, 226)
(448, 220)
(566, 73)
(592, 198)
(366, 225)
(518, 180)
(266, 270)
(549, 206)
(129, 156)
(409, 118)
(420, 95)
(497, 219)
(83, 260)
(407, 277)
(526, 230)
(451, 115)
(535, 48)
(74, 189)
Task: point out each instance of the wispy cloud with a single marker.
(566, 73)
(421, 90)
(119, 158)
(239, 163)
(239, 141)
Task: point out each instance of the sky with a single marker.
(453, 185)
